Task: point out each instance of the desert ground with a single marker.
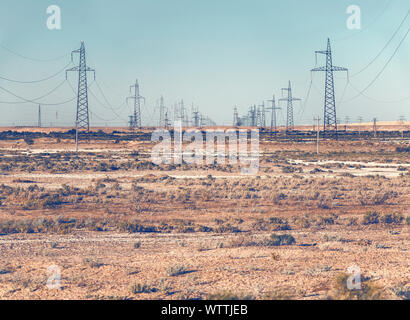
(113, 225)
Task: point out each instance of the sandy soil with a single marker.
(114, 264)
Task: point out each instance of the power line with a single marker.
(377, 100)
(36, 81)
(384, 48)
(32, 59)
(369, 25)
(99, 102)
(382, 70)
(106, 100)
(108, 108)
(36, 99)
(302, 110)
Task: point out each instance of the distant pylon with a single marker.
(135, 119)
(253, 116)
(166, 121)
(290, 125)
(162, 112)
(195, 116)
(82, 118)
(39, 116)
(262, 115)
(273, 109)
(182, 111)
(235, 117)
(329, 121)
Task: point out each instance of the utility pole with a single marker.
(402, 119)
(329, 121)
(82, 118)
(360, 119)
(290, 125)
(347, 120)
(317, 133)
(375, 127)
(39, 116)
(273, 109)
(76, 136)
(135, 119)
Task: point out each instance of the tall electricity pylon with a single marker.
(290, 125)
(329, 120)
(82, 119)
(135, 119)
(273, 109)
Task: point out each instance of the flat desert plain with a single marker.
(106, 223)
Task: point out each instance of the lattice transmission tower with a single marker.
(290, 124)
(262, 115)
(135, 119)
(162, 109)
(329, 120)
(195, 117)
(273, 108)
(83, 116)
(235, 117)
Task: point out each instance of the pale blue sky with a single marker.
(214, 53)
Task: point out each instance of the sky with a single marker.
(216, 54)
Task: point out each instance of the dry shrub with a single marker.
(177, 270)
(280, 240)
(280, 294)
(394, 218)
(371, 218)
(228, 295)
(375, 199)
(142, 288)
(271, 224)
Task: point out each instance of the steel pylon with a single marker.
(330, 119)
